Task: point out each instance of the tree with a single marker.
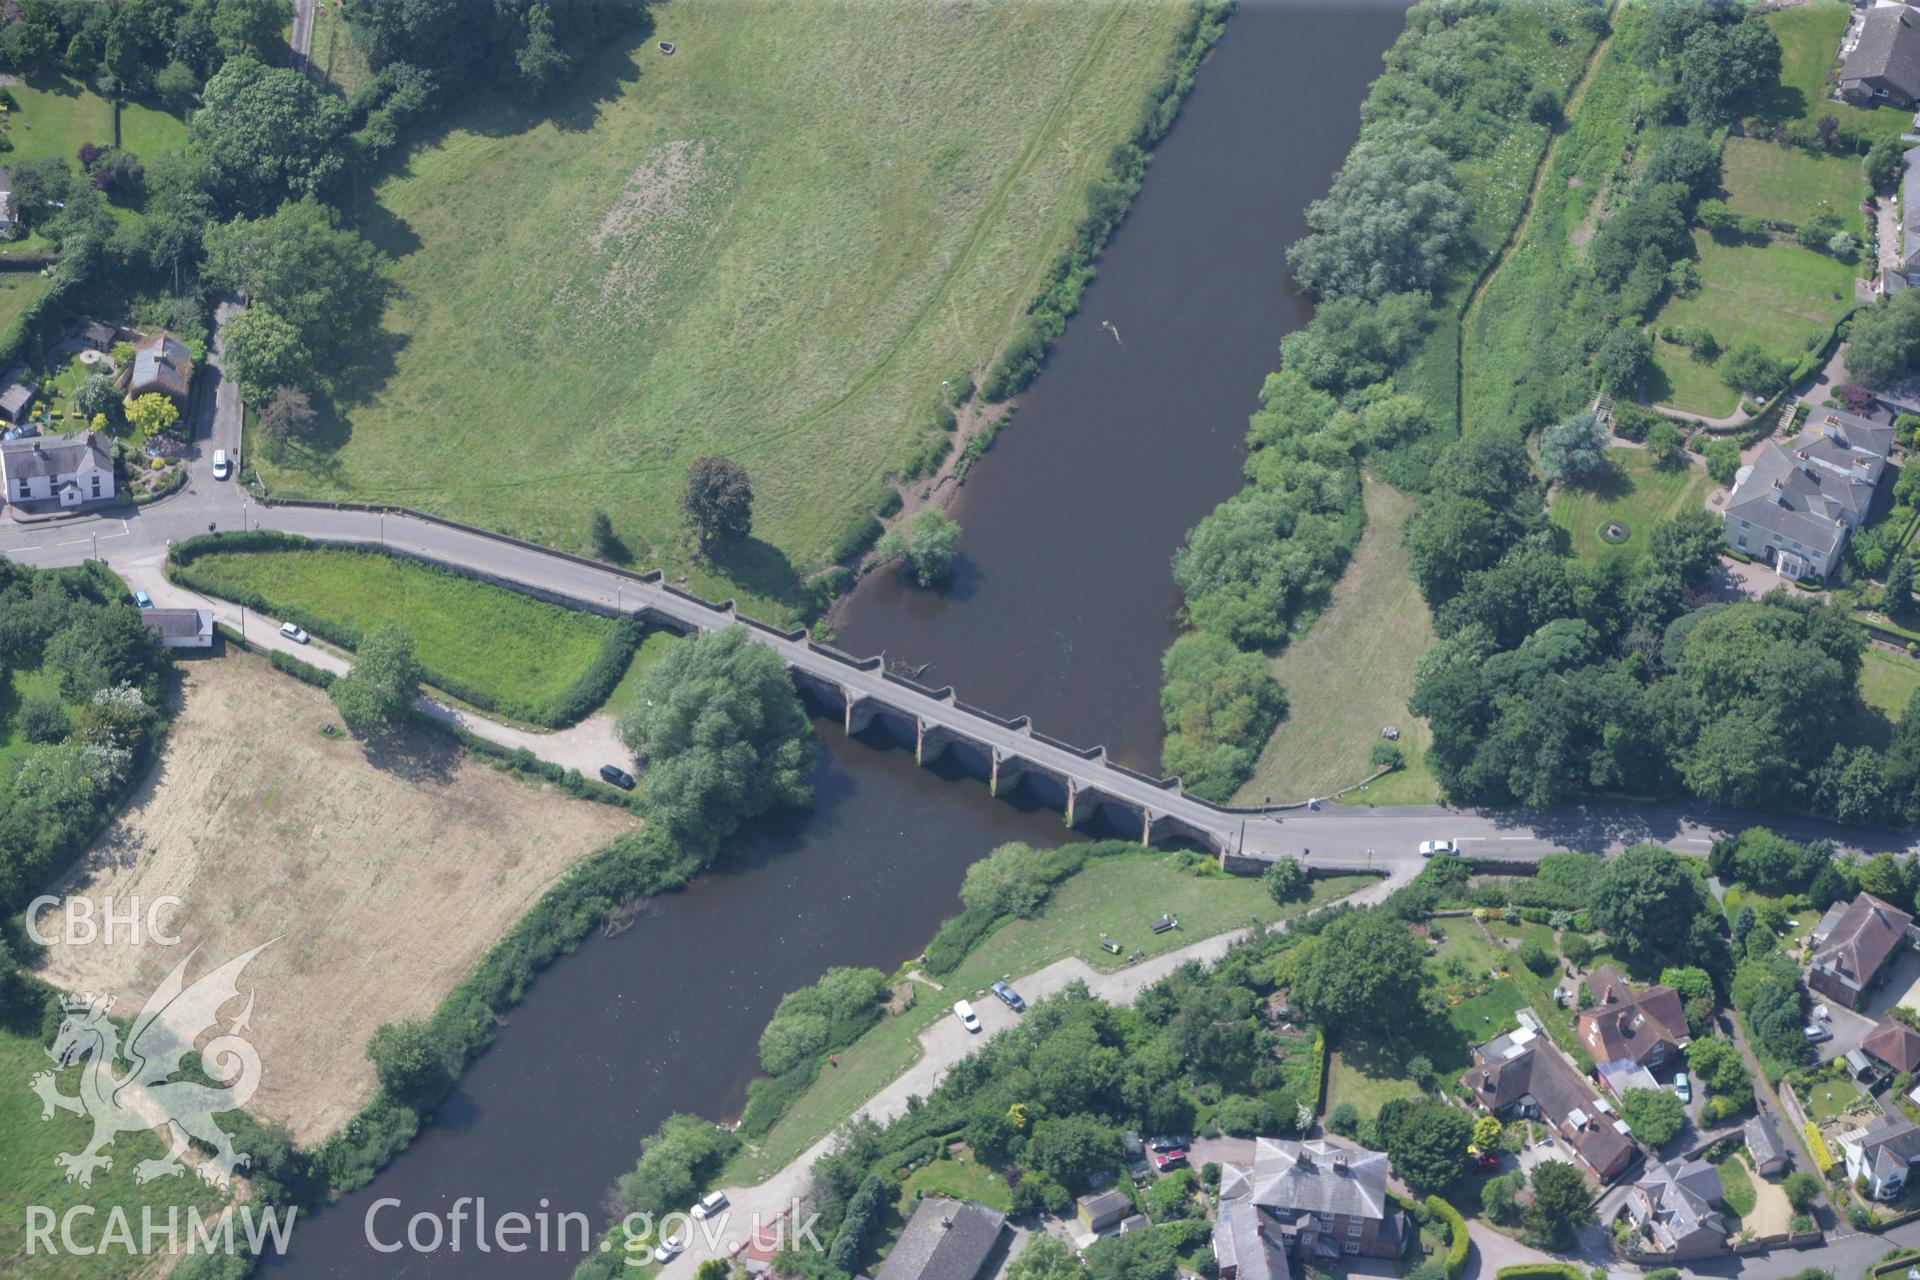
(325, 281)
(1070, 1149)
(379, 691)
(1687, 546)
(1665, 443)
(1561, 1203)
(1362, 974)
(42, 719)
(928, 544)
(1046, 1258)
(1388, 225)
(1285, 879)
(1647, 900)
(600, 533)
(1897, 595)
(176, 85)
(1499, 1197)
(1622, 360)
(1010, 881)
(252, 27)
(717, 500)
(1716, 1061)
(723, 733)
(1654, 1115)
(152, 413)
(1687, 159)
(1724, 65)
(1575, 448)
(287, 417)
(1747, 367)
(1883, 341)
(1723, 460)
(268, 134)
(1802, 1189)
(1426, 1140)
(1219, 704)
(410, 1064)
(1486, 1133)
(263, 351)
(1883, 164)
(96, 395)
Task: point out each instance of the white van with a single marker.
(968, 1018)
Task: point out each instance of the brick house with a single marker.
(1522, 1074)
(1852, 944)
(1646, 1027)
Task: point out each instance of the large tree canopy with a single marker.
(268, 135)
(1648, 900)
(1364, 972)
(724, 735)
(1388, 225)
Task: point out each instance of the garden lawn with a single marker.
(1351, 674)
(1887, 680)
(18, 291)
(1809, 44)
(958, 1178)
(1828, 1097)
(522, 650)
(1637, 493)
(1367, 1078)
(1781, 296)
(1791, 184)
(1737, 1183)
(1120, 895)
(773, 245)
(1682, 381)
(15, 688)
(29, 1176)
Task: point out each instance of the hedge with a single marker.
(1457, 1238)
(1541, 1271)
(1317, 1082)
(1822, 1153)
(593, 687)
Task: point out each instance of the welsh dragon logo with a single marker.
(147, 1096)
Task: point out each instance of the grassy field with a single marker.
(747, 248)
(1737, 1183)
(961, 1179)
(1118, 895)
(1351, 674)
(1887, 680)
(333, 58)
(1366, 1078)
(1792, 184)
(29, 1176)
(1778, 295)
(492, 638)
(1809, 44)
(1683, 381)
(651, 650)
(1637, 493)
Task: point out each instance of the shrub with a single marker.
(1345, 1120)
(1457, 1240)
(1822, 1153)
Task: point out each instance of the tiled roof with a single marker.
(161, 363)
(1889, 48)
(1522, 1065)
(1862, 939)
(1625, 1023)
(178, 623)
(1894, 1043)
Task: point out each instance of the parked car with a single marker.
(669, 1249)
(142, 599)
(1168, 1160)
(221, 467)
(1682, 1087)
(293, 633)
(1430, 847)
(1817, 1034)
(1009, 997)
(710, 1204)
(1170, 1142)
(968, 1018)
(619, 777)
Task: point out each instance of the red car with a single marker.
(1174, 1159)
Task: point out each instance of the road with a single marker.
(134, 542)
(301, 36)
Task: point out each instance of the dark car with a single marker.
(1174, 1159)
(1009, 997)
(1172, 1142)
(617, 776)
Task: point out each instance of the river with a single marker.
(1062, 609)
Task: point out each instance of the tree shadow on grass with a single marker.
(755, 565)
(1615, 485)
(414, 755)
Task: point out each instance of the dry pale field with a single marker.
(383, 879)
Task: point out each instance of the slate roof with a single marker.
(1239, 1243)
(1522, 1066)
(1860, 941)
(1676, 1202)
(16, 396)
(1894, 1043)
(1887, 1146)
(179, 624)
(1763, 1140)
(1625, 1023)
(52, 456)
(1889, 48)
(161, 363)
(1314, 1177)
(1910, 211)
(944, 1240)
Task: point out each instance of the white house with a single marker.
(70, 469)
(181, 628)
(1882, 1153)
(1795, 505)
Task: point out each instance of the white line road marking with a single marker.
(1516, 837)
(1697, 840)
(78, 542)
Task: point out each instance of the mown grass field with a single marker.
(29, 1176)
(1887, 680)
(1351, 674)
(1638, 493)
(1683, 381)
(1119, 895)
(749, 248)
(1778, 295)
(495, 639)
(1809, 44)
(1792, 184)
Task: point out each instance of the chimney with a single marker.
(1339, 1162)
(946, 1223)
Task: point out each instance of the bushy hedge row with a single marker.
(593, 687)
(863, 1211)
(1108, 197)
(1457, 1239)
(1541, 1271)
